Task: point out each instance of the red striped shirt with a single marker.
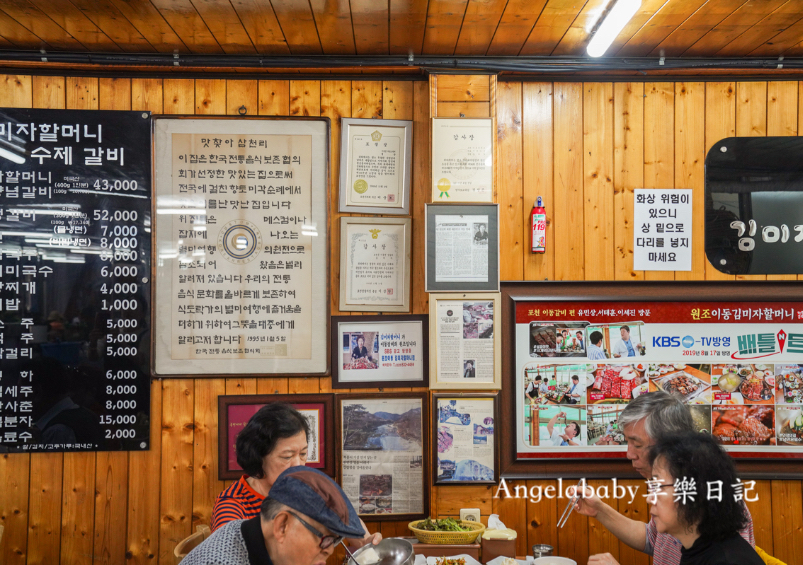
(238, 502)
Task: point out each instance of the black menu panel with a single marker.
(75, 242)
(754, 205)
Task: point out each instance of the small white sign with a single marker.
(662, 220)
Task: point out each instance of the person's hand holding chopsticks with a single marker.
(589, 504)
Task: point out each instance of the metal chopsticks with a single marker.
(578, 494)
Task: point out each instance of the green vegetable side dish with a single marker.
(442, 525)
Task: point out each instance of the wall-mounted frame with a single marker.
(254, 248)
(466, 350)
(380, 351)
(693, 332)
(234, 412)
(375, 166)
(462, 248)
(754, 205)
(383, 461)
(465, 450)
(375, 264)
(462, 159)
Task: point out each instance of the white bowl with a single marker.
(554, 561)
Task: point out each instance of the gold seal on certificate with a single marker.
(360, 186)
(375, 166)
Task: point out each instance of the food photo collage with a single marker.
(749, 404)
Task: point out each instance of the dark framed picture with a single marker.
(462, 248)
(464, 439)
(235, 411)
(577, 353)
(380, 351)
(383, 456)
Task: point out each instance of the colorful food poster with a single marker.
(738, 366)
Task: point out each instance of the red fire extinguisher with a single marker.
(538, 225)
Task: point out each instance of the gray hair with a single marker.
(270, 508)
(663, 415)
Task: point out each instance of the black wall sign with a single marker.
(75, 222)
(754, 205)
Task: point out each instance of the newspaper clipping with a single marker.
(462, 248)
(383, 455)
(465, 341)
(465, 439)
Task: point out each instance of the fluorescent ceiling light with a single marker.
(612, 25)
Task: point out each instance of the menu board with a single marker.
(75, 222)
(738, 365)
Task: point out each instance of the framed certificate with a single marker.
(380, 351)
(462, 160)
(234, 412)
(462, 248)
(384, 454)
(464, 439)
(375, 264)
(467, 345)
(375, 166)
(241, 246)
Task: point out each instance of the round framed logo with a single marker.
(239, 242)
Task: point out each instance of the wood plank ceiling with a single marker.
(671, 28)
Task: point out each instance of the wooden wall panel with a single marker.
(568, 178)
(509, 180)
(628, 166)
(598, 180)
(537, 175)
(584, 148)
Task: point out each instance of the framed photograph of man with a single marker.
(380, 351)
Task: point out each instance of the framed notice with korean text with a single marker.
(462, 248)
(380, 351)
(462, 159)
(235, 411)
(242, 247)
(577, 354)
(375, 166)
(467, 345)
(375, 264)
(464, 438)
(75, 272)
(384, 454)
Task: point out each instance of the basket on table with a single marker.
(448, 538)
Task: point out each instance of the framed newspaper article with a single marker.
(241, 259)
(384, 454)
(466, 350)
(234, 411)
(464, 439)
(462, 248)
(375, 166)
(380, 351)
(375, 264)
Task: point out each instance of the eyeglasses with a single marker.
(326, 541)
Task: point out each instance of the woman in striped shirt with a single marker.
(274, 439)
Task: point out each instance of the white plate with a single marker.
(498, 561)
(469, 560)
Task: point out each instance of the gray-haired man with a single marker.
(646, 421)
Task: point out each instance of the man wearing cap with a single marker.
(301, 521)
